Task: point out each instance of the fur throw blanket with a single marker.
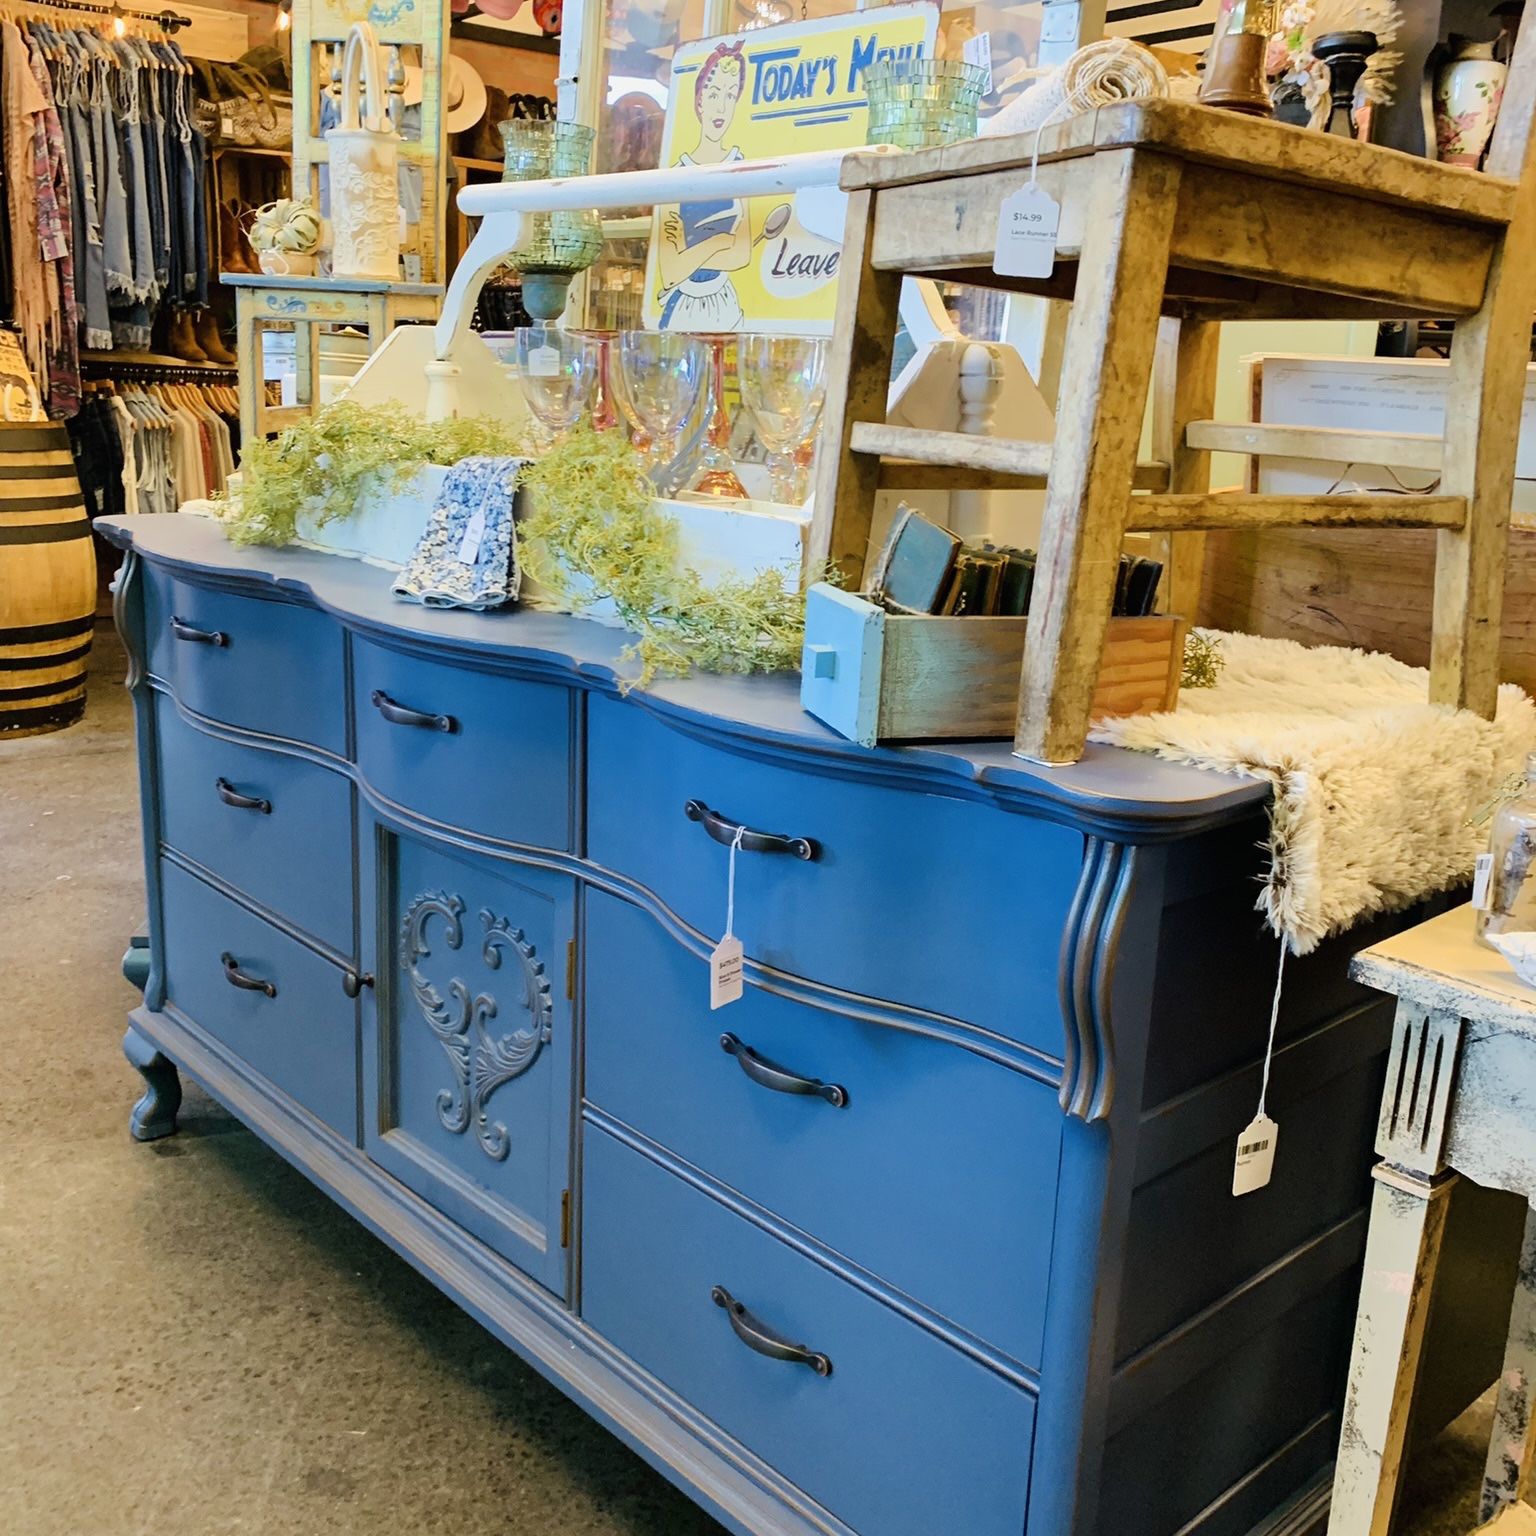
(1373, 785)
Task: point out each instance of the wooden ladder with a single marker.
(1176, 215)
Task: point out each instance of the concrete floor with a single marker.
(193, 1341)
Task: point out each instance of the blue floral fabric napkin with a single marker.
(467, 557)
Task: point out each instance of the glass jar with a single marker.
(1511, 900)
(556, 245)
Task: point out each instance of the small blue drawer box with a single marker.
(873, 675)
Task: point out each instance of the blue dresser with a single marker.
(930, 1234)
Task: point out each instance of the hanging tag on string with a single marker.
(1027, 222)
(725, 961)
(1255, 1155)
(1255, 1160)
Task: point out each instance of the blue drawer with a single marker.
(488, 753)
(264, 664)
(303, 821)
(303, 1039)
(920, 1106)
(950, 905)
(905, 1436)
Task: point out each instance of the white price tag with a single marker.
(1482, 872)
(412, 260)
(226, 127)
(474, 536)
(725, 972)
(1026, 233)
(1255, 1155)
(544, 362)
(978, 51)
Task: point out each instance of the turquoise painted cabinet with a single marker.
(929, 1234)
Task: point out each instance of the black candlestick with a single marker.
(1346, 55)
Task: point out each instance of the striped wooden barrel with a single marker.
(47, 581)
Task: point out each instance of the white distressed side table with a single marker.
(1459, 1102)
(306, 303)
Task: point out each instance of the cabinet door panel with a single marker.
(469, 1058)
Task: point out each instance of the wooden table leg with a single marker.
(858, 381)
(1188, 395)
(1111, 337)
(1508, 1476)
(306, 364)
(1401, 1251)
(248, 350)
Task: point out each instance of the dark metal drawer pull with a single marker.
(184, 631)
(398, 714)
(353, 981)
(769, 1074)
(763, 1339)
(724, 831)
(238, 978)
(232, 796)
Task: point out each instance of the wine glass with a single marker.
(663, 373)
(783, 383)
(716, 474)
(556, 370)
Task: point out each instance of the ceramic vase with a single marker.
(1468, 91)
(365, 167)
(276, 263)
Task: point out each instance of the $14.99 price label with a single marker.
(1027, 223)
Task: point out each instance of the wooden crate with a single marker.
(877, 676)
(1356, 586)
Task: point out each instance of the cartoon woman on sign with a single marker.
(702, 243)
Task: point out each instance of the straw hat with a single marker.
(463, 93)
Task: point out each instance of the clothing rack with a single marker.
(169, 22)
(114, 365)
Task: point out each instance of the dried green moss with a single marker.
(589, 529)
(1203, 660)
(590, 532)
(323, 464)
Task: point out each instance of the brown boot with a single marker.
(209, 339)
(183, 340)
(235, 254)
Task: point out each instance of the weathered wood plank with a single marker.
(1232, 509)
(1266, 149)
(962, 450)
(1237, 231)
(1397, 449)
(1324, 240)
(943, 224)
(863, 340)
(916, 459)
(1105, 374)
(1350, 586)
(1189, 350)
(1489, 357)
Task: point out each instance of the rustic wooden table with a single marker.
(1459, 1101)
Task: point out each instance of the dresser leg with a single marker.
(1508, 1475)
(154, 1115)
(1401, 1252)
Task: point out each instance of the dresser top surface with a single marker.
(1129, 794)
